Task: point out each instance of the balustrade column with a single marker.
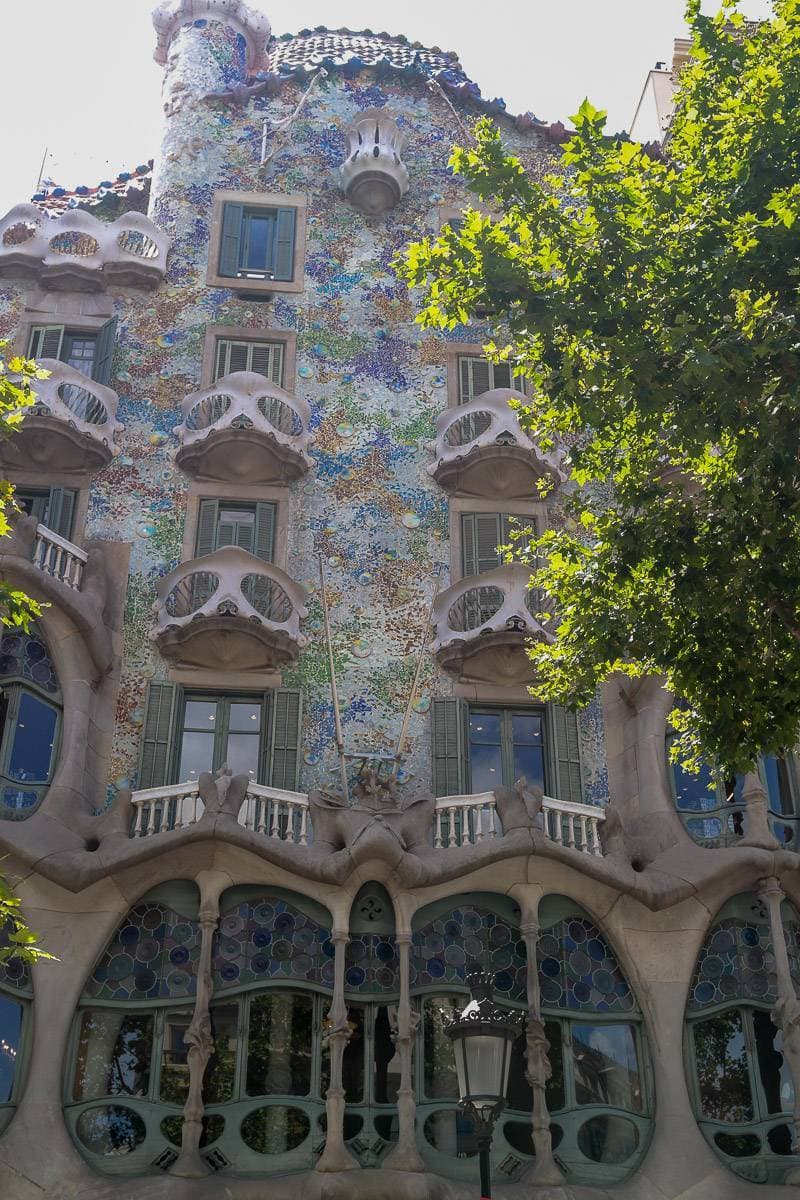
(786, 1013)
(336, 1156)
(198, 1036)
(545, 1170)
(405, 1021)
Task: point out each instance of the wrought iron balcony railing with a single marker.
(480, 449)
(77, 252)
(244, 429)
(230, 611)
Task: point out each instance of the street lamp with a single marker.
(482, 1038)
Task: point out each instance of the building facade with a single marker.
(249, 469)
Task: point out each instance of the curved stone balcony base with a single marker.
(374, 177)
(483, 624)
(229, 611)
(481, 450)
(242, 455)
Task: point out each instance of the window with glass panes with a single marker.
(481, 536)
(53, 507)
(30, 722)
(257, 242)
(262, 358)
(221, 730)
(89, 351)
(249, 525)
(505, 745)
(477, 375)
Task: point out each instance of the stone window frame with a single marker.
(455, 351)
(248, 333)
(296, 200)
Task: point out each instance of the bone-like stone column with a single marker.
(758, 830)
(198, 1037)
(405, 1021)
(786, 1013)
(544, 1171)
(336, 1156)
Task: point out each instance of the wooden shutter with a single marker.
(266, 358)
(475, 377)
(449, 746)
(238, 357)
(284, 743)
(60, 511)
(283, 254)
(154, 760)
(565, 740)
(46, 341)
(265, 531)
(501, 375)
(481, 534)
(206, 528)
(231, 240)
(104, 352)
(221, 359)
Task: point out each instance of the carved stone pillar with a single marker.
(786, 1013)
(336, 1156)
(758, 830)
(544, 1171)
(199, 1039)
(405, 1020)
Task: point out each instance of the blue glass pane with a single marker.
(779, 789)
(258, 247)
(695, 793)
(10, 1038)
(484, 728)
(529, 761)
(34, 737)
(486, 764)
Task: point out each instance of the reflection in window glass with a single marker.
(776, 1078)
(555, 1093)
(110, 1129)
(197, 754)
(606, 1066)
(528, 745)
(519, 1093)
(275, 1129)
(779, 787)
(386, 1083)
(451, 1132)
(34, 738)
(608, 1139)
(113, 1056)
(10, 1042)
(174, 1086)
(219, 1075)
(721, 1061)
(352, 1060)
(695, 793)
(485, 751)
(279, 1045)
(438, 1060)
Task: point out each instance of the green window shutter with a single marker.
(46, 341)
(154, 760)
(60, 511)
(231, 240)
(266, 358)
(104, 352)
(283, 262)
(449, 746)
(481, 534)
(206, 528)
(475, 377)
(501, 375)
(238, 357)
(565, 739)
(221, 361)
(284, 743)
(265, 531)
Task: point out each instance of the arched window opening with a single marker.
(598, 1095)
(712, 808)
(30, 722)
(740, 1080)
(16, 993)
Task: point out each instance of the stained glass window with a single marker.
(737, 962)
(448, 947)
(578, 970)
(153, 955)
(371, 964)
(25, 656)
(270, 939)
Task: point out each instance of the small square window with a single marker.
(257, 241)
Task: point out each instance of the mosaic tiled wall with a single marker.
(375, 382)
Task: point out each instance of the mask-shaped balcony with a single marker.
(77, 252)
(71, 427)
(374, 176)
(229, 611)
(481, 450)
(483, 623)
(244, 429)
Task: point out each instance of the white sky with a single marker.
(78, 76)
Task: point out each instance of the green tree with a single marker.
(16, 609)
(651, 300)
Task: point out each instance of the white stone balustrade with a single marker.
(229, 611)
(78, 252)
(374, 177)
(482, 623)
(59, 558)
(244, 428)
(269, 811)
(470, 820)
(480, 449)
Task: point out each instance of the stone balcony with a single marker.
(71, 427)
(244, 429)
(480, 449)
(229, 611)
(483, 623)
(374, 177)
(76, 252)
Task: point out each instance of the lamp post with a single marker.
(482, 1038)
